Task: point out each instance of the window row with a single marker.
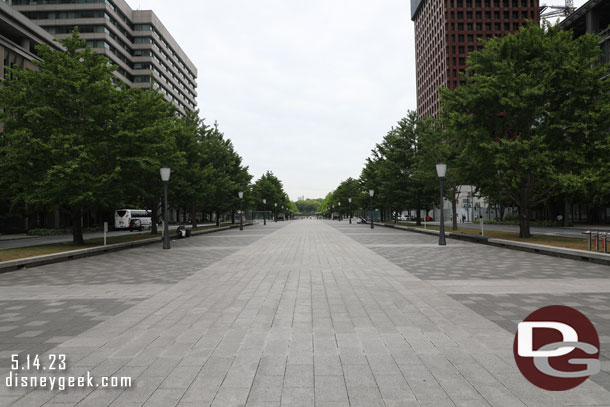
(494, 3)
(478, 15)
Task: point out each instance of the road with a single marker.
(303, 313)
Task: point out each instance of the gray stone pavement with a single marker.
(305, 313)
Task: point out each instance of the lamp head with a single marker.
(240, 194)
(165, 171)
(371, 192)
(441, 170)
(264, 201)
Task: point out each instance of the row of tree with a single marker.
(75, 140)
(308, 206)
(530, 125)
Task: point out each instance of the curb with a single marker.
(8, 238)
(26, 262)
(573, 254)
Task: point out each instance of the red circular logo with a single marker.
(556, 348)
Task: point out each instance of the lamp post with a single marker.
(339, 211)
(251, 210)
(371, 193)
(350, 210)
(241, 216)
(264, 212)
(275, 214)
(441, 170)
(165, 178)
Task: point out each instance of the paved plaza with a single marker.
(302, 313)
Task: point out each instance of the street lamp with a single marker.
(350, 210)
(275, 214)
(371, 193)
(241, 216)
(264, 211)
(339, 211)
(441, 170)
(165, 178)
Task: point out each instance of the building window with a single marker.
(142, 27)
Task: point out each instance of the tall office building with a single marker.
(447, 30)
(134, 40)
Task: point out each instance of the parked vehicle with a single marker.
(140, 224)
(123, 217)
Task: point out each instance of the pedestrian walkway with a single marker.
(304, 313)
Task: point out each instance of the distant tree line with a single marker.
(308, 207)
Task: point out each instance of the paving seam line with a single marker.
(12, 265)
(573, 254)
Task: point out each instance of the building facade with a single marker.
(447, 30)
(134, 40)
(18, 39)
(592, 17)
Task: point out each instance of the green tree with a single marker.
(269, 187)
(145, 142)
(350, 188)
(436, 146)
(534, 108)
(227, 176)
(58, 149)
(190, 181)
(393, 169)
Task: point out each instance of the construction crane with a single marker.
(557, 11)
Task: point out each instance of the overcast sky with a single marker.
(303, 88)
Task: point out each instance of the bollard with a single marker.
(604, 241)
(588, 233)
(596, 234)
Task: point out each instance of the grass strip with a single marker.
(546, 240)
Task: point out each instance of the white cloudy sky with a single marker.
(302, 88)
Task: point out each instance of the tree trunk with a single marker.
(454, 223)
(233, 217)
(77, 228)
(566, 212)
(217, 218)
(194, 215)
(417, 215)
(524, 221)
(395, 217)
(154, 219)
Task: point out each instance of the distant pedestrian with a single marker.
(463, 218)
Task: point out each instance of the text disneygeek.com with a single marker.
(26, 373)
